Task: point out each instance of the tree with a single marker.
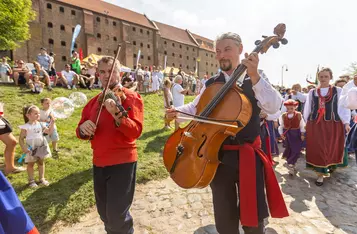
(14, 18)
(352, 68)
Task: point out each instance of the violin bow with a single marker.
(104, 92)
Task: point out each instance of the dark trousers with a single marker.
(114, 190)
(225, 194)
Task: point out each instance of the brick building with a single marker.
(104, 26)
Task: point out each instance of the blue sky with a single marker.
(320, 32)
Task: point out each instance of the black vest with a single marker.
(252, 129)
(331, 106)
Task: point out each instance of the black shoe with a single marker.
(319, 183)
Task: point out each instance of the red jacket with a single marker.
(115, 145)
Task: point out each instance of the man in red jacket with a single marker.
(114, 150)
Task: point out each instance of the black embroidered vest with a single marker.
(331, 106)
(252, 129)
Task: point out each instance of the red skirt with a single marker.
(325, 143)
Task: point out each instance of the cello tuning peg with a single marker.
(276, 45)
(284, 41)
(264, 36)
(257, 42)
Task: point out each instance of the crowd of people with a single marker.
(316, 119)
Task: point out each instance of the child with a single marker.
(167, 99)
(36, 147)
(292, 130)
(36, 85)
(46, 116)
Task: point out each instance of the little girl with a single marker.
(46, 116)
(36, 146)
(36, 85)
(292, 130)
(167, 99)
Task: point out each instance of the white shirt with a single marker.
(269, 99)
(290, 116)
(343, 113)
(177, 96)
(68, 75)
(33, 131)
(273, 117)
(348, 97)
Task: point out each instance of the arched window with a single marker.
(50, 41)
(115, 38)
(61, 9)
(173, 54)
(135, 56)
(49, 6)
(148, 46)
(50, 25)
(62, 27)
(73, 12)
(173, 64)
(63, 43)
(64, 58)
(99, 35)
(142, 56)
(149, 58)
(75, 45)
(114, 23)
(99, 49)
(141, 44)
(134, 42)
(98, 19)
(165, 52)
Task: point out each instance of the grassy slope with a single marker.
(70, 194)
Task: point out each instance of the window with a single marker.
(211, 55)
(72, 29)
(173, 54)
(98, 19)
(115, 52)
(62, 27)
(141, 44)
(148, 32)
(187, 67)
(49, 6)
(134, 42)
(63, 43)
(180, 55)
(141, 30)
(73, 12)
(50, 25)
(193, 49)
(61, 9)
(194, 68)
(173, 44)
(99, 49)
(188, 58)
(211, 73)
(149, 58)
(206, 54)
(173, 64)
(165, 42)
(134, 29)
(106, 21)
(187, 47)
(98, 35)
(64, 58)
(135, 56)
(211, 64)
(180, 46)
(148, 46)
(216, 65)
(114, 23)
(194, 59)
(207, 63)
(142, 56)
(115, 38)
(75, 45)
(165, 53)
(50, 41)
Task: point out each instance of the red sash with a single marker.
(247, 184)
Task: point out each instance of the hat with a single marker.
(43, 48)
(291, 102)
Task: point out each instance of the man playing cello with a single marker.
(226, 185)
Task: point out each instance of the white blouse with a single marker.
(343, 113)
(348, 97)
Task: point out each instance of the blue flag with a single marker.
(76, 32)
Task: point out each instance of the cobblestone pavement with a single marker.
(163, 207)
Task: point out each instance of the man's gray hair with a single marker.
(177, 78)
(229, 35)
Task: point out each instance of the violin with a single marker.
(191, 153)
(112, 91)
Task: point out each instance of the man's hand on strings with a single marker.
(251, 62)
(111, 107)
(171, 114)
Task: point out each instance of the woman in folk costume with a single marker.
(292, 130)
(327, 123)
(349, 100)
(268, 124)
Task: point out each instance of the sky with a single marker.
(320, 32)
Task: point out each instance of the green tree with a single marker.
(351, 69)
(14, 18)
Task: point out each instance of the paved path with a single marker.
(162, 207)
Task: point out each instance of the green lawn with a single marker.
(70, 194)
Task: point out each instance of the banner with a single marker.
(74, 37)
(165, 61)
(137, 58)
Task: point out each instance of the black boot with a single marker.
(255, 230)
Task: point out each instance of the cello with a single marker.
(191, 153)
